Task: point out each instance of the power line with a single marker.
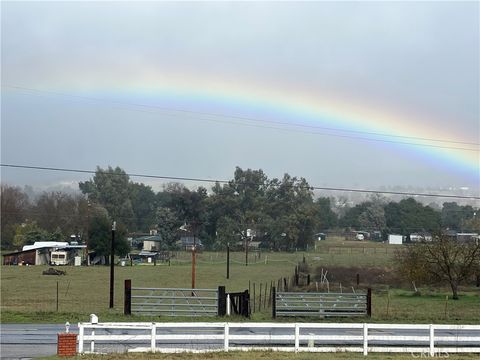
(271, 122)
(179, 178)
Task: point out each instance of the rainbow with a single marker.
(409, 135)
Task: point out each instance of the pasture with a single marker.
(29, 296)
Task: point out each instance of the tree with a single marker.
(186, 206)
(58, 210)
(372, 217)
(29, 233)
(144, 205)
(289, 204)
(443, 260)
(455, 216)
(351, 217)
(14, 208)
(100, 234)
(408, 216)
(473, 224)
(110, 189)
(167, 225)
(326, 218)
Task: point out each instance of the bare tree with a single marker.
(443, 260)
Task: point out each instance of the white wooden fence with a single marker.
(291, 337)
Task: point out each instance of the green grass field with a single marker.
(29, 296)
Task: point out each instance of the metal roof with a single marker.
(149, 238)
(45, 244)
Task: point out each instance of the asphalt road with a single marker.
(26, 341)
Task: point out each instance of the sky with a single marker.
(345, 94)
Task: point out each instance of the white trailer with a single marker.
(59, 257)
(395, 239)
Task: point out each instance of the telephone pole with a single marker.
(112, 260)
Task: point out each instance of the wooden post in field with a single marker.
(369, 302)
(265, 297)
(446, 304)
(228, 261)
(274, 304)
(112, 267)
(127, 300)
(221, 301)
(388, 301)
(260, 298)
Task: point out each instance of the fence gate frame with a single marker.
(204, 306)
(317, 308)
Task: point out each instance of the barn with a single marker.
(40, 253)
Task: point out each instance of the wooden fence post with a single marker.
(369, 302)
(127, 304)
(247, 307)
(274, 302)
(222, 301)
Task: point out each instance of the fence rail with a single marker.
(321, 304)
(290, 337)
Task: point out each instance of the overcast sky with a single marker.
(195, 89)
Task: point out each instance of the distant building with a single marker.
(41, 253)
(395, 239)
(415, 237)
(462, 237)
(467, 237)
(150, 242)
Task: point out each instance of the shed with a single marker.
(150, 242)
(40, 253)
(395, 239)
(28, 257)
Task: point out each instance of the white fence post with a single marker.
(297, 337)
(92, 342)
(80, 337)
(432, 342)
(365, 339)
(228, 304)
(153, 341)
(226, 333)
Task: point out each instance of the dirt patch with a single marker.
(368, 277)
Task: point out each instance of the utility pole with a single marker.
(88, 229)
(112, 260)
(228, 261)
(193, 254)
(246, 251)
